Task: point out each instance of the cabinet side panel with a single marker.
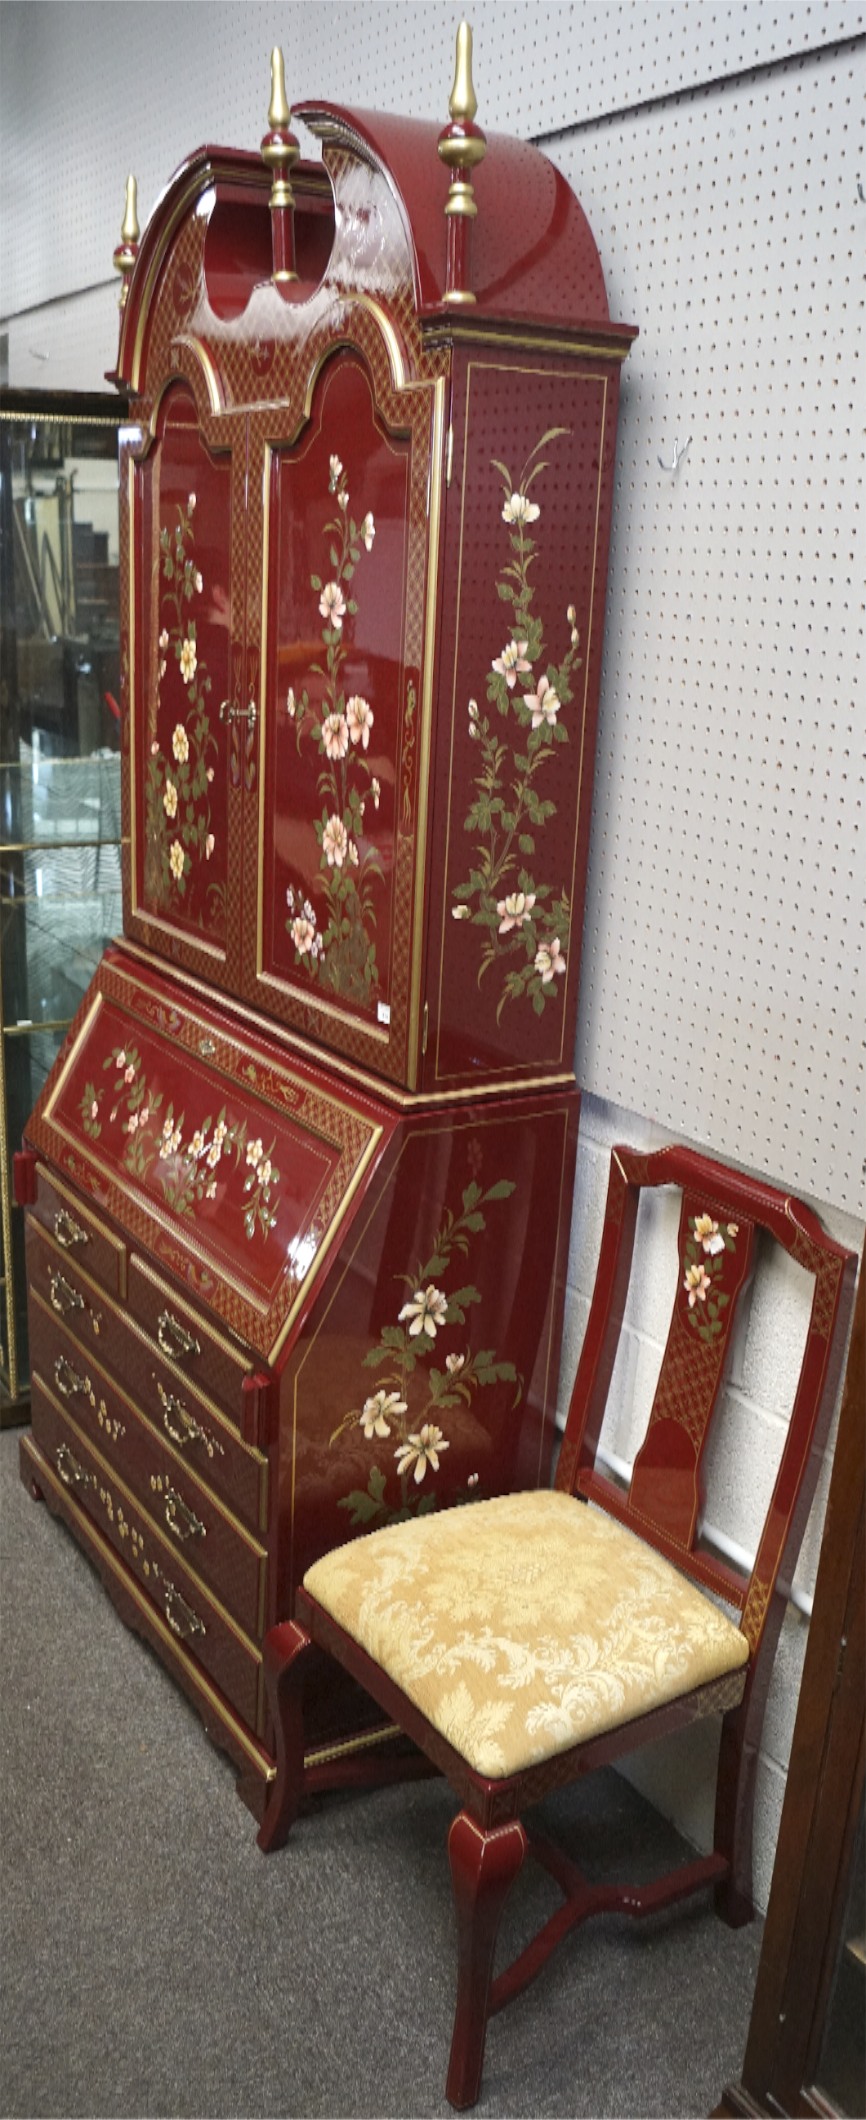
(528, 527)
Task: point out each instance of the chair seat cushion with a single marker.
(526, 1624)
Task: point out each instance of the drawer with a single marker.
(199, 1434)
(78, 1233)
(207, 1631)
(231, 1562)
(193, 1348)
(67, 1289)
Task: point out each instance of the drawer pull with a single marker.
(181, 1427)
(180, 1519)
(173, 1339)
(181, 1617)
(71, 1473)
(63, 1297)
(68, 1231)
(68, 1381)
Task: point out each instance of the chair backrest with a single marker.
(720, 1214)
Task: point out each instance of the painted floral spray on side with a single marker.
(415, 1393)
(333, 937)
(179, 830)
(525, 922)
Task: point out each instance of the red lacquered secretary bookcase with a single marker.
(299, 1184)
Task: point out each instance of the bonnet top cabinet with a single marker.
(299, 1182)
(366, 530)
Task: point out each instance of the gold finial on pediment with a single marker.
(127, 249)
(461, 146)
(280, 151)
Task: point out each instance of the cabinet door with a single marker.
(345, 557)
(185, 667)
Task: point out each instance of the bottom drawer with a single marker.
(206, 1630)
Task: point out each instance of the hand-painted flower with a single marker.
(696, 1283)
(571, 615)
(705, 1227)
(132, 1123)
(209, 845)
(512, 663)
(354, 855)
(360, 718)
(188, 661)
(549, 959)
(303, 934)
(461, 912)
(219, 1133)
(121, 1057)
(454, 1363)
(733, 1229)
(210, 772)
(332, 604)
(197, 1144)
(144, 1115)
(335, 469)
(544, 704)
(160, 675)
(472, 1480)
(166, 1130)
(376, 1412)
(169, 799)
(342, 498)
(421, 1450)
(375, 791)
(335, 735)
(191, 504)
(515, 910)
(213, 1155)
(129, 1074)
(210, 1190)
(94, 1109)
(335, 842)
(154, 749)
(368, 530)
(163, 640)
(427, 1309)
(177, 860)
(291, 707)
(198, 583)
(254, 1153)
(520, 510)
(264, 1171)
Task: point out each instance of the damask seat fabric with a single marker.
(526, 1624)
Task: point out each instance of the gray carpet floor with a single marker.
(155, 1963)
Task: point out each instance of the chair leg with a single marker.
(284, 1651)
(483, 1867)
(735, 1805)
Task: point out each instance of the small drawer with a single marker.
(231, 1562)
(192, 1613)
(66, 1289)
(194, 1349)
(78, 1233)
(197, 1433)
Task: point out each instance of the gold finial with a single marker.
(279, 113)
(463, 102)
(127, 249)
(280, 150)
(130, 231)
(461, 146)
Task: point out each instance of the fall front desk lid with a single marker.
(226, 1163)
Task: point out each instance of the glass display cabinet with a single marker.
(60, 826)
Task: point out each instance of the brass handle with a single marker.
(68, 1380)
(71, 1473)
(68, 1231)
(229, 712)
(63, 1297)
(173, 1339)
(181, 1617)
(180, 1519)
(189, 1430)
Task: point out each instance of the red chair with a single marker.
(524, 1640)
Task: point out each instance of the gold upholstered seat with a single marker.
(526, 1624)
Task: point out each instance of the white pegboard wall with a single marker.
(144, 85)
(723, 970)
